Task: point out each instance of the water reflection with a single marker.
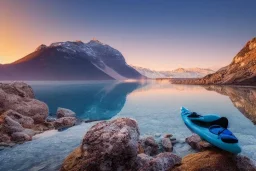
(91, 101)
(243, 98)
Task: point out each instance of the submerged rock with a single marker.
(197, 143)
(107, 146)
(62, 112)
(213, 160)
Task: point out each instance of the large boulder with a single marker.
(149, 146)
(197, 143)
(213, 160)
(62, 112)
(20, 98)
(107, 146)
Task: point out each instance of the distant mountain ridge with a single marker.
(177, 73)
(241, 71)
(71, 60)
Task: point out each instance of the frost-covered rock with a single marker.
(107, 146)
(62, 112)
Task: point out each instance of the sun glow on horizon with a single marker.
(172, 35)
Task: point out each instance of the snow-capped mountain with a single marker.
(71, 61)
(177, 73)
(149, 73)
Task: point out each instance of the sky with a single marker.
(156, 34)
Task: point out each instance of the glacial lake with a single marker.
(154, 104)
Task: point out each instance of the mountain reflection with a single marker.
(90, 101)
(243, 98)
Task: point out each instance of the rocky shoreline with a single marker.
(241, 70)
(22, 116)
(108, 145)
(116, 145)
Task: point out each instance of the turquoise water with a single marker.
(155, 106)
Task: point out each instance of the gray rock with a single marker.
(20, 98)
(167, 145)
(4, 138)
(64, 122)
(157, 135)
(10, 126)
(21, 137)
(62, 112)
(149, 146)
(197, 143)
(25, 121)
(24, 88)
(18, 88)
(142, 160)
(243, 163)
(29, 132)
(50, 119)
(162, 162)
(107, 146)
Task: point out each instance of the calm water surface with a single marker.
(155, 105)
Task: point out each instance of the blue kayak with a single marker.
(213, 129)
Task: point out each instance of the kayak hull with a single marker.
(205, 134)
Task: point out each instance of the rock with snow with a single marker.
(62, 112)
(71, 61)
